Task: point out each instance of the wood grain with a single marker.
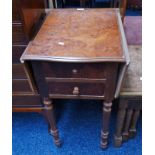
(74, 34)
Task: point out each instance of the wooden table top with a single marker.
(79, 35)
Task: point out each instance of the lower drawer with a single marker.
(21, 86)
(76, 89)
(26, 100)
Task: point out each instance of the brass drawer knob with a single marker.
(74, 71)
(76, 91)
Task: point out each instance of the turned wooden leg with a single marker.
(120, 122)
(44, 94)
(119, 127)
(105, 128)
(49, 114)
(132, 130)
(127, 124)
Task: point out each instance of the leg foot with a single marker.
(117, 141)
(127, 125)
(125, 136)
(56, 137)
(133, 130)
(104, 139)
(132, 133)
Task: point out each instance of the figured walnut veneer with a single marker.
(78, 34)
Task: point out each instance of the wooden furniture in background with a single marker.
(82, 57)
(130, 98)
(73, 3)
(134, 4)
(122, 5)
(26, 18)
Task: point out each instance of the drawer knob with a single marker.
(74, 71)
(76, 91)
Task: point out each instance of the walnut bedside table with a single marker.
(78, 54)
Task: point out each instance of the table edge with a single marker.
(124, 58)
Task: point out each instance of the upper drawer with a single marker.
(18, 71)
(18, 35)
(17, 52)
(74, 70)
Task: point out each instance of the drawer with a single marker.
(74, 70)
(17, 52)
(18, 35)
(76, 88)
(18, 71)
(21, 86)
(26, 100)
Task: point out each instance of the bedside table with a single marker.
(78, 54)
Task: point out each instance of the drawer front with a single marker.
(74, 70)
(26, 100)
(76, 89)
(21, 86)
(17, 52)
(18, 71)
(18, 35)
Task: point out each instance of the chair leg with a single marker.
(127, 124)
(119, 127)
(132, 130)
(120, 122)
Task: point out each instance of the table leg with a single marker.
(49, 114)
(106, 120)
(132, 130)
(47, 103)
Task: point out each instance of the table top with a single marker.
(79, 35)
